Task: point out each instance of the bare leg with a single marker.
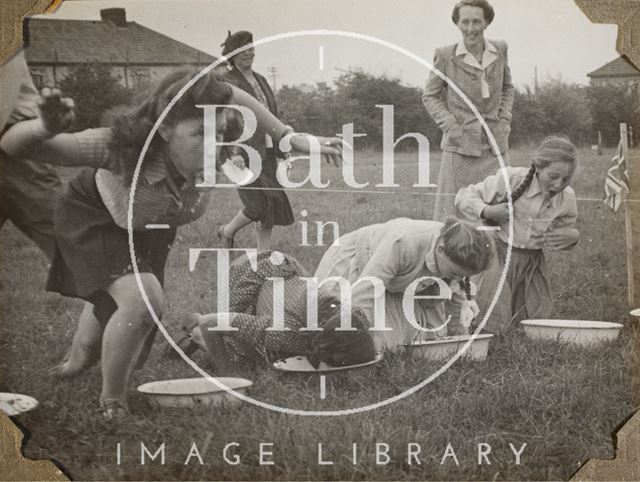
(126, 331)
(213, 341)
(264, 238)
(238, 222)
(85, 347)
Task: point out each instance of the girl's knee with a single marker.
(128, 295)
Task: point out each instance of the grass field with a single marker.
(563, 402)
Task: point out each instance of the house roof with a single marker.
(77, 41)
(620, 67)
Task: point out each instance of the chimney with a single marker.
(115, 16)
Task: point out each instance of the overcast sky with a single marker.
(553, 35)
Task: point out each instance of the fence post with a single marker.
(627, 219)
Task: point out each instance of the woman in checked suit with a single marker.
(480, 69)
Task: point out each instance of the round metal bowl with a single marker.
(300, 364)
(15, 403)
(448, 346)
(578, 332)
(193, 392)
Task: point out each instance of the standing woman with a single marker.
(268, 207)
(92, 259)
(479, 68)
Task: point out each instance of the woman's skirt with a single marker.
(91, 250)
(458, 171)
(526, 293)
(265, 200)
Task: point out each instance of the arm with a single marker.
(432, 96)
(508, 91)
(274, 127)
(11, 75)
(41, 139)
(473, 200)
(562, 234)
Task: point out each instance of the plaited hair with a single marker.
(486, 7)
(466, 246)
(552, 149)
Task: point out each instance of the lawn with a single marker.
(564, 403)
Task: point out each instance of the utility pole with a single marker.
(274, 73)
(535, 81)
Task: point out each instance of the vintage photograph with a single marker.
(298, 240)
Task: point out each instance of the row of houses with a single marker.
(135, 53)
(139, 55)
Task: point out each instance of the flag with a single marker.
(616, 185)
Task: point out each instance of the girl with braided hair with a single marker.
(253, 339)
(544, 216)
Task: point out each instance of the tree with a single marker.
(609, 106)
(94, 89)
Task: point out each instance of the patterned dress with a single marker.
(251, 296)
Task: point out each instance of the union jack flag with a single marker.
(616, 185)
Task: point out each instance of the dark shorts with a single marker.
(91, 250)
(28, 195)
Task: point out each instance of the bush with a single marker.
(95, 90)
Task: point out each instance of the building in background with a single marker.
(618, 71)
(137, 55)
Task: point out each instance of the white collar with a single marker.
(488, 56)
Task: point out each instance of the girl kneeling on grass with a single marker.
(398, 254)
(252, 336)
(92, 259)
(544, 216)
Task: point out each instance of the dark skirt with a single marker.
(269, 206)
(91, 250)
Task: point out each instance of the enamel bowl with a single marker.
(447, 346)
(193, 392)
(300, 364)
(578, 332)
(14, 403)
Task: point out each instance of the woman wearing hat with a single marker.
(266, 207)
(479, 68)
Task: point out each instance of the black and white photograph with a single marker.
(303, 240)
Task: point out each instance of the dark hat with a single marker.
(236, 40)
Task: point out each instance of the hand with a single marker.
(329, 147)
(56, 112)
(561, 238)
(468, 311)
(498, 213)
(238, 161)
(455, 133)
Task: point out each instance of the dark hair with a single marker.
(486, 7)
(339, 348)
(465, 245)
(131, 128)
(235, 41)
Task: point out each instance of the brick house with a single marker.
(136, 54)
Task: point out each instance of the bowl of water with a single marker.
(194, 392)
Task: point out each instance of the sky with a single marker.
(552, 35)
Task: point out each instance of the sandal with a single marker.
(227, 241)
(114, 408)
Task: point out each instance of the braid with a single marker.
(466, 284)
(524, 185)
